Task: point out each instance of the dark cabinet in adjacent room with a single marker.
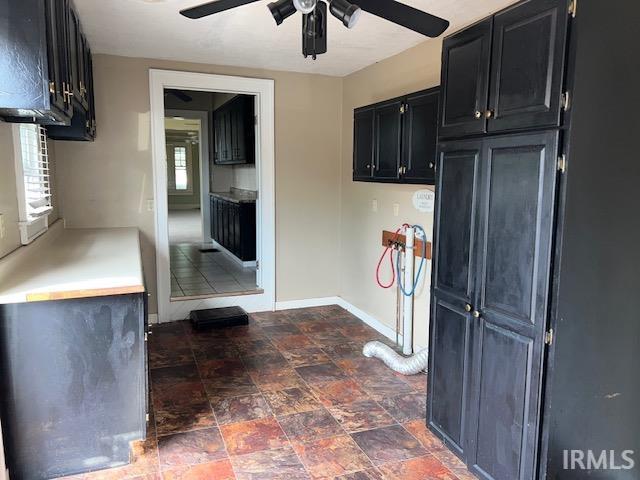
(395, 141)
(233, 226)
(505, 72)
(233, 131)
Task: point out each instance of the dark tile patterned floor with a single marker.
(288, 397)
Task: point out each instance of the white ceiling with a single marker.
(248, 36)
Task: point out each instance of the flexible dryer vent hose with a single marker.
(404, 365)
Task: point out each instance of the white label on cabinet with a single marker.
(424, 200)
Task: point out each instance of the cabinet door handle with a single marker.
(476, 314)
(488, 114)
(430, 164)
(477, 114)
(467, 307)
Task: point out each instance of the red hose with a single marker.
(393, 269)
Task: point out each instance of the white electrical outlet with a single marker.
(3, 230)
(374, 205)
(150, 205)
(396, 209)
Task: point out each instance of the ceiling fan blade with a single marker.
(407, 16)
(180, 95)
(213, 7)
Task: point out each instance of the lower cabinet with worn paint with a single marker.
(74, 383)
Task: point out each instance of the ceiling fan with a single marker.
(314, 17)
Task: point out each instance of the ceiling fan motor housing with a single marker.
(314, 31)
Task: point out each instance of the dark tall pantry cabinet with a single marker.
(534, 337)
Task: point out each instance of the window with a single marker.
(180, 166)
(32, 177)
(180, 176)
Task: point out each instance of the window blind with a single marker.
(35, 170)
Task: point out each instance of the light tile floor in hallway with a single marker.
(289, 396)
(194, 272)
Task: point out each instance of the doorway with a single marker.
(213, 162)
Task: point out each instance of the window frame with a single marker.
(171, 168)
(31, 226)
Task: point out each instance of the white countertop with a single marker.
(73, 263)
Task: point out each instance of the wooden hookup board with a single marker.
(389, 238)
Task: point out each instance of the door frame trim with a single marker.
(264, 91)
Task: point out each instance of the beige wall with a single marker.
(415, 69)
(8, 193)
(107, 183)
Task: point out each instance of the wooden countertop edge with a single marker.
(95, 292)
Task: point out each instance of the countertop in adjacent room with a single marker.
(237, 195)
(73, 263)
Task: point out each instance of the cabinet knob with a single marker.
(467, 308)
(430, 164)
(476, 314)
(368, 165)
(478, 114)
(488, 114)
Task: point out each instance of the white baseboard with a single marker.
(308, 302)
(231, 256)
(361, 314)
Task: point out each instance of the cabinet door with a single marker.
(363, 125)
(213, 217)
(465, 80)
(220, 222)
(57, 55)
(517, 205)
(239, 136)
(453, 280)
(387, 137)
(527, 65)
(228, 136)
(84, 72)
(75, 51)
(420, 137)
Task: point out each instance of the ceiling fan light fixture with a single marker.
(281, 10)
(345, 11)
(305, 6)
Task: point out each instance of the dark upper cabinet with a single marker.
(420, 137)
(46, 75)
(233, 132)
(363, 143)
(34, 72)
(505, 72)
(387, 138)
(395, 141)
(465, 80)
(527, 65)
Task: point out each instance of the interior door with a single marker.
(517, 217)
(387, 139)
(527, 65)
(363, 122)
(420, 137)
(465, 80)
(453, 283)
